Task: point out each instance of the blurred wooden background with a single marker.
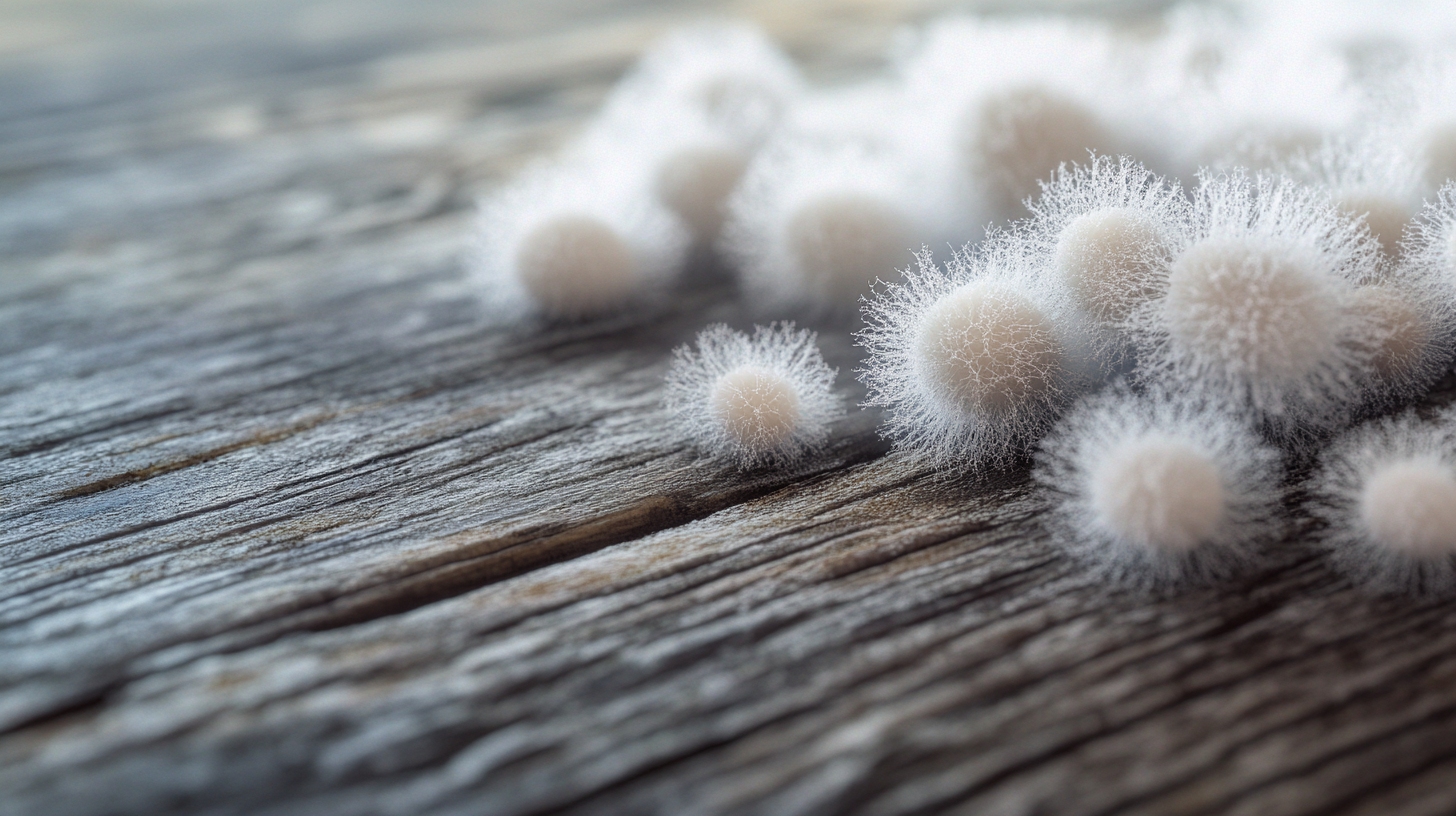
(290, 529)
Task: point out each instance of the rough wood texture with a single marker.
(290, 529)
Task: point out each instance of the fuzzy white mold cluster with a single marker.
(1259, 308)
(1009, 102)
(1387, 494)
(609, 223)
(1157, 489)
(973, 359)
(1107, 230)
(759, 400)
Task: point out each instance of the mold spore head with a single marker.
(815, 223)
(974, 360)
(1159, 494)
(1156, 487)
(575, 265)
(1015, 138)
(695, 180)
(1255, 308)
(1400, 332)
(1409, 507)
(842, 242)
(1110, 260)
(986, 347)
(1386, 491)
(758, 409)
(760, 400)
(1107, 229)
(574, 240)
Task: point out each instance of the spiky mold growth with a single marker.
(974, 361)
(1107, 228)
(1012, 101)
(576, 239)
(1387, 494)
(760, 400)
(1259, 310)
(1369, 181)
(1411, 304)
(815, 224)
(1153, 490)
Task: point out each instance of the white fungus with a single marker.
(973, 361)
(1107, 228)
(1155, 490)
(1387, 494)
(1409, 306)
(1370, 180)
(1258, 308)
(760, 400)
(814, 225)
(692, 113)
(1016, 100)
(574, 240)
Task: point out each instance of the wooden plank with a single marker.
(291, 528)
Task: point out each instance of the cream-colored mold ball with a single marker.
(576, 266)
(1409, 507)
(1160, 495)
(1251, 310)
(987, 348)
(842, 242)
(694, 182)
(757, 408)
(1401, 334)
(1013, 140)
(1108, 259)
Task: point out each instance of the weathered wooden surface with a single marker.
(289, 528)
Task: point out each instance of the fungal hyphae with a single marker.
(760, 400)
(974, 361)
(574, 240)
(1013, 101)
(692, 114)
(1387, 493)
(1154, 490)
(1258, 308)
(1410, 307)
(1108, 228)
(814, 225)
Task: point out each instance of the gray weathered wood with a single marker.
(291, 528)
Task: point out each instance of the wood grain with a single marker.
(292, 528)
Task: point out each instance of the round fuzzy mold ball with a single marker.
(1153, 490)
(1257, 308)
(695, 180)
(1007, 103)
(757, 400)
(1387, 494)
(1013, 139)
(569, 241)
(1409, 307)
(814, 225)
(1370, 181)
(1108, 229)
(973, 361)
